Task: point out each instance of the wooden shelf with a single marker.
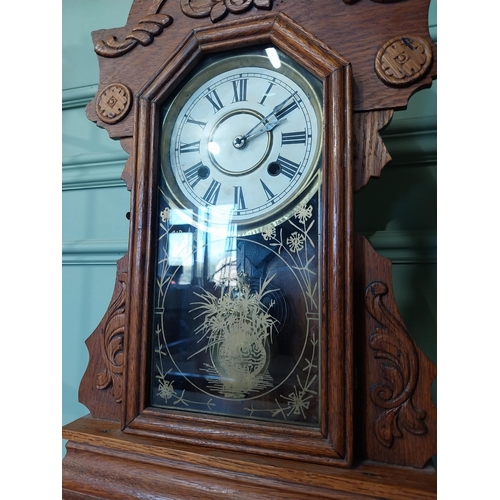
(103, 462)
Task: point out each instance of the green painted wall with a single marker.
(397, 212)
(94, 198)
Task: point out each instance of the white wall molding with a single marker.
(416, 148)
(402, 247)
(93, 252)
(405, 246)
(78, 97)
(92, 171)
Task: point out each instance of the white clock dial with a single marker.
(242, 140)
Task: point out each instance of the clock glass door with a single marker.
(236, 318)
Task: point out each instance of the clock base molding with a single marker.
(103, 462)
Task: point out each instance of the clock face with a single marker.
(241, 140)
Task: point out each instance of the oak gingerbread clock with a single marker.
(252, 347)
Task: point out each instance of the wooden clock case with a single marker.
(378, 428)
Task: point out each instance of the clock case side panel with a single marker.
(396, 416)
(332, 442)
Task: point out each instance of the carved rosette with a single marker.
(403, 60)
(218, 9)
(111, 342)
(398, 361)
(113, 103)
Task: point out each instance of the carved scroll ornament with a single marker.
(144, 33)
(398, 362)
(111, 342)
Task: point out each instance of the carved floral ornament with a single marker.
(217, 9)
(111, 343)
(350, 2)
(397, 357)
(153, 23)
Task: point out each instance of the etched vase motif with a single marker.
(238, 328)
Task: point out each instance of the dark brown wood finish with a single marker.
(396, 415)
(376, 382)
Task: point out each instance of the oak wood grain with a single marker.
(370, 153)
(356, 31)
(395, 413)
(104, 462)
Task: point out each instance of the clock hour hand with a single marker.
(265, 125)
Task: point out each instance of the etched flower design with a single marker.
(303, 213)
(165, 214)
(166, 389)
(298, 402)
(295, 242)
(269, 233)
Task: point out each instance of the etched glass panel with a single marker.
(236, 318)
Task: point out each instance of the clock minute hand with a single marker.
(265, 125)
(282, 104)
(271, 120)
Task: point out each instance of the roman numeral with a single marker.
(212, 193)
(293, 137)
(271, 85)
(192, 174)
(288, 167)
(239, 200)
(240, 90)
(288, 109)
(214, 99)
(192, 147)
(269, 193)
(196, 122)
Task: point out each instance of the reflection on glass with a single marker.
(180, 251)
(274, 57)
(236, 320)
(213, 148)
